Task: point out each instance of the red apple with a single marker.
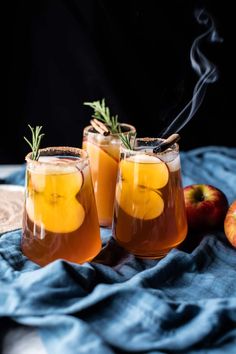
(230, 224)
(206, 207)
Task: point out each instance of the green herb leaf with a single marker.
(102, 113)
(36, 140)
(128, 140)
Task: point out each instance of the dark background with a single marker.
(61, 53)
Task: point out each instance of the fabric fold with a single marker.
(183, 303)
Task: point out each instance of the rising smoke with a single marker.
(206, 71)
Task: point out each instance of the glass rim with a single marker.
(80, 155)
(132, 129)
(149, 149)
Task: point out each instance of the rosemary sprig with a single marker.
(36, 140)
(127, 140)
(102, 113)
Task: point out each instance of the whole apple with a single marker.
(230, 224)
(206, 207)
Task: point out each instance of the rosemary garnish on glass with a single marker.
(36, 140)
(128, 140)
(102, 113)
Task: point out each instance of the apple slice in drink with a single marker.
(63, 215)
(138, 191)
(101, 162)
(93, 150)
(43, 178)
(104, 170)
(55, 207)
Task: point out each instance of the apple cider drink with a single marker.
(60, 216)
(104, 152)
(149, 214)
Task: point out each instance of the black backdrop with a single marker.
(61, 53)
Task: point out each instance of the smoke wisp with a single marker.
(206, 71)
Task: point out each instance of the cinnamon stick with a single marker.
(165, 144)
(100, 127)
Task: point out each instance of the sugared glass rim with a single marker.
(80, 155)
(132, 129)
(149, 149)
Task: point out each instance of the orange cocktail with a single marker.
(60, 217)
(104, 152)
(149, 215)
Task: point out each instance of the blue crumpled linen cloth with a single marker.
(183, 303)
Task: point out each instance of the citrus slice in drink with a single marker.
(52, 202)
(138, 189)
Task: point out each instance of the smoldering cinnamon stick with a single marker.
(165, 144)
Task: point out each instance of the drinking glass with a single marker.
(149, 212)
(104, 152)
(60, 217)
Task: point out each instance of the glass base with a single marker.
(43, 262)
(105, 223)
(105, 226)
(158, 254)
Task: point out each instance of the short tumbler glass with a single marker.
(149, 213)
(60, 217)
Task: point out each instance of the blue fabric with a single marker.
(184, 303)
(16, 178)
